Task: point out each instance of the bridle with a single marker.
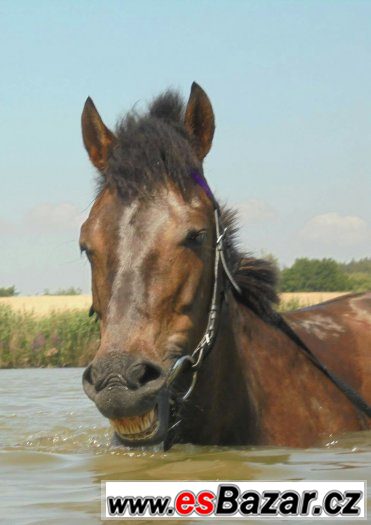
(206, 344)
(195, 360)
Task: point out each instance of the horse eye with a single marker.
(92, 311)
(86, 250)
(196, 237)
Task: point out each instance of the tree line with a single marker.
(304, 275)
(326, 275)
(11, 291)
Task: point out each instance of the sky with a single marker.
(290, 83)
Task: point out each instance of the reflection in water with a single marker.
(55, 450)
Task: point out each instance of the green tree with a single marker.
(8, 292)
(64, 291)
(314, 275)
(359, 273)
(360, 281)
(360, 266)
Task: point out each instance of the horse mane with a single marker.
(257, 278)
(154, 148)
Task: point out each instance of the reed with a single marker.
(32, 334)
(59, 339)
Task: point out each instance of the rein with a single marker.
(347, 390)
(206, 344)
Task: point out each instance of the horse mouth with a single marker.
(137, 428)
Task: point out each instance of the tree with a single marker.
(359, 273)
(314, 275)
(8, 292)
(360, 266)
(64, 291)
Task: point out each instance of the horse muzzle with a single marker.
(132, 393)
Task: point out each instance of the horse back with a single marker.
(339, 334)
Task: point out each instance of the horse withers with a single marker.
(192, 348)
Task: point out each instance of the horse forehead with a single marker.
(167, 211)
(168, 208)
(193, 211)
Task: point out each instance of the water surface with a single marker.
(55, 450)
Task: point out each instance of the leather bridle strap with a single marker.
(207, 341)
(348, 391)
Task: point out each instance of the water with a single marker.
(55, 450)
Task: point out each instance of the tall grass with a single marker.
(59, 339)
(290, 304)
(63, 338)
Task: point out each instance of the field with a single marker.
(45, 304)
(294, 300)
(55, 331)
(42, 305)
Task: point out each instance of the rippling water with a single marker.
(55, 450)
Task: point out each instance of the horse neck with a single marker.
(256, 386)
(220, 406)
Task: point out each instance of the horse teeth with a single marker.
(135, 425)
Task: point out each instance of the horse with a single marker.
(192, 347)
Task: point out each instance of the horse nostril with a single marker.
(87, 375)
(142, 372)
(88, 382)
(151, 373)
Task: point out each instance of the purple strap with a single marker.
(199, 179)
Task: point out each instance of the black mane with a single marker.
(257, 278)
(152, 149)
(155, 148)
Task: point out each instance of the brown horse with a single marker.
(192, 348)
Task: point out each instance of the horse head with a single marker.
(150, 240)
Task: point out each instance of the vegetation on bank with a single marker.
(68, 338)
(65, 338)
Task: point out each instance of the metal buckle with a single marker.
(177, 367)
(190, 389)
(220, 238)
(198, 361)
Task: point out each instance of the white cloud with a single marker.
(333, 228)
(254, 210)
(48, 217)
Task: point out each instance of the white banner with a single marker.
(234, 499)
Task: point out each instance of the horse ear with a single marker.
(98, 139)
(199, 120)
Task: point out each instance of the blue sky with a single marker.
(290, 83)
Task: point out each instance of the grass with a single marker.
(59, 339)
(290, 304)
(48, 331)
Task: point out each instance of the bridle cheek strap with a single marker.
(206, 344)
